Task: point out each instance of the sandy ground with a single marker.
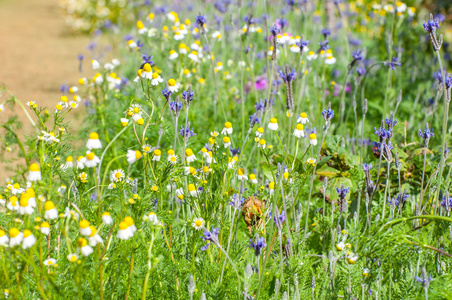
(38, 53)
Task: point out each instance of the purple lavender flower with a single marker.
(176, 107)
(426, 135)
(446, 203)
(302, 44)
(210, 236)
(254, 119)
(258, 246)
(323, 46)
(325, 32)
(394, 63)
(328, 114)
(188, 97)
(147, 59)
(357, 55)
(201, 20)
(236, 202)
(367, 167)
(259, 106)
(431, 25)
(234, 151)
(279, 220)
(342, 192)
(274, 30)
(287, 77)
(186, 133)
(360, 71)
(166, 93)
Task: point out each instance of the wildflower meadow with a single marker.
(229, 149)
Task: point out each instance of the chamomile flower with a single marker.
(273, 125)
(4, 239)
(84, 228)
(172, 85)
(95, 64)
(227, 128)
(232, 161)
(72, 257)
(140, 75)
(124, 122)
(98, 79)
(206, 170)
(241, 174)
(173, 55)
(51, 212)
(50, 262)
(183, 49)
(216, 35)
(141, 28)
(192, 190)
(262, 143)
(198, 223)
(91, 160)
(190, 170)
(45, 228)
(313, 139)
(94, 238)
(260, 132)
(187, 73)
(226, 142)
(138, 119)
(311, 55)
(156, 79)
(299, 132)
(24, 205)
(93, 141)
(190, 155)
(117, 175)
(340, 246)
(366, 272)
(310, 161)
(152, 217)
(352, 258)
(157, 155)
(173, 159)
(83, 177)
(147, 71)
(303, 119)
(330, 60)
(253, 179)
(106, 218)
(179, 193)
(131, 224)
(15, 237)
(194, 56)
(178, 36)
(81, 162)
(82, 244)
(219, 66)
(133, 156)
(13, 203)
(271, 188)
(29, 239)
(34, 173)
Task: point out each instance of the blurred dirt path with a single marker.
(38, 53)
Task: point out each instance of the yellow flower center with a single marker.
(93, 136)
(227, 125)
(49, 205)
(313, 136)
(34, 167)
(171, 82)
